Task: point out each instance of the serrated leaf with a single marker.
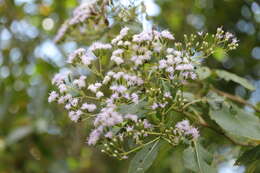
(144, 158)
(198, 159)
(236, 121)
(233, 77)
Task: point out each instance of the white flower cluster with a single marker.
(77, 53)
(128, 78)
(119, 87)
(152, 35)
(227, 36)
(82, 12)
(119, 38)
(80, 83)
(140, 52)
(177, 62)
(131, 70)
(184, 128)
(80, 15)
(109, 117)
(61, 32)
(82, 56)
(98, 45)
(130, 87)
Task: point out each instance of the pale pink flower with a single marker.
(167, 34)
(89, 107)
(99, 94)
(53, 96)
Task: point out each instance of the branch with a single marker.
(223, 134)
(235, 98)
(141, 146)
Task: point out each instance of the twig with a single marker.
(192, 102)
(235, 98)
(141, 146)
(223, 134)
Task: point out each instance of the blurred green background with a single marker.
(36, 137)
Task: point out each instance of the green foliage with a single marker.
(144, 158)
(36, 137)
(233, 77)
(249, 156)
(198, 159)
(220, 54)
(139, 109)
(236, 121)
(203, 72)
(251, 159)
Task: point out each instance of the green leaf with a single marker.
(177, 162)
(189, 159)
(138, 109)
(233, 77)
(249, 156)
(220, 54)
(144, 158)
(203, 72)
(198, 159)
(188, 96)
(236, 121)
(163, 158)
(252, 167)
(214, 100)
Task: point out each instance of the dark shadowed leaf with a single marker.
(249, 156)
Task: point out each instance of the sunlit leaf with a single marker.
(236, 121)
(220, 54)
(203, 72)
(233, 77)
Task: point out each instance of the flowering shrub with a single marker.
(140, 89)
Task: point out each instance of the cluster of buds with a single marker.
(205, 44)
(222, 36)
(130, 87)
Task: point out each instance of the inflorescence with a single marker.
(132, 85)
(87, 13)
